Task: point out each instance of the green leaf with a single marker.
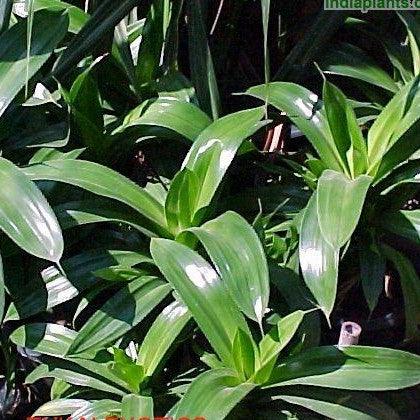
(102, 181)
(352, 367)
(26, 216)
(318, 260)
(349, 60)
(181, 200)
(340, 202)
(201, 289)
(243, 354)
(212, 395)
(275, 341)
(404, 223)
(5, 12)
(2, 293)
(60, 406)
(345, 129)
(77, 17)
(372, 274)
(136, 406)
(120, 314)
(338, 405)
(265, 11)
(402, 111)
(126, 369)
(303, 108)
(410, 284)
(413, 29)
(219, 142)
(161, 335)
(182, 117)
(105, 17)
(201, 63)
(14, 66)
(97, 409)
(238, 255)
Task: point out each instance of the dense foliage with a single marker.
(195, 196)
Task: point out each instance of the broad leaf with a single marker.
(305, 110)
(404, 223)
(120, 313)
(136, 406)
(220, 142)
(339, 205)
(213, 395)
(102, 181)
(238, 255)
(318, 259)
(25, 215)
(201, 289)
(352, 367)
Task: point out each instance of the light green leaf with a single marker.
(212, 395)
(352, 367)
(60, 407)
(136, 406)
(340, 202)
(2, 293)
(201, 289)
(238, 255)
(243, 352)
(120, 313)
(25, 215)
(318, 260)
(161, 335)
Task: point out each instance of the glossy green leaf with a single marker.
(201, 289)
(413, 29)
(265, 12)
(5, 13)
(243, 354)
(136, 406)
(345, 129)
(77, 17)
(338, 405)
(275, 341)
(182, 117)
(213, 395)
(120, 313)
(393, 122)
(201, 62)
(410, 284)
(97, 409)
(352, 367)
(181, 201)
(220, 141)
(340, 202)
(318, 260)
(238, 255)
(161, 336)
(15, 69)
(102, 181)
(105, 17)
(26, 216)
(303, 108)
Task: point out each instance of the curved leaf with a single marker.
(318, 260)
(352, 367)
(238, 255)
(213, 395)
(219, 142)
(120, 313)
(339, 205)
(25, 215)
(201, 289)
(15, 69)
(136, 406)
(102, 181)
